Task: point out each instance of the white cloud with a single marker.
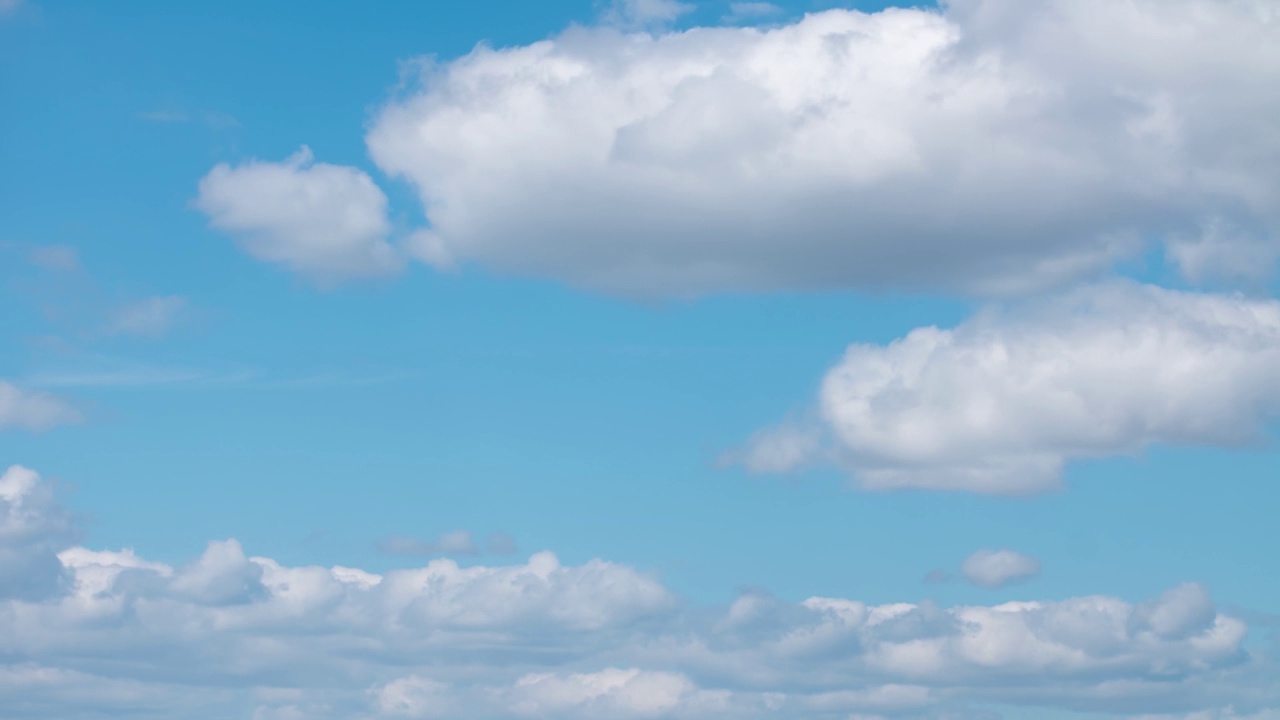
(33, 527)
(33, 410)
(992, 146)
(997, 568)
(328, 222)
(1001, 402)
(97, 633)
(151, 316)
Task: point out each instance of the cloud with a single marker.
(152, 317)
(33, 527)
(95, 633)
(1001, 402)
(992, 146)
(9, 6)
(33, 410)
(458, 542)
(997, 568)
(61, 258)
(641, 13)
(749, 11)
(327, 222)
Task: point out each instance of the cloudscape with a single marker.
(640, 359)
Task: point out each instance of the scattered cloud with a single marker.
(998, 568)
(644, 13)
(1000, 403)
(991, 146)
(457, 542)
(94, 632)
(61, 258)
(33, 410)
(937, 576)
(324, 221)
(149, 317)
(751, 11)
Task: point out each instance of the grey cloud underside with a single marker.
(994, 146)
(233, 635)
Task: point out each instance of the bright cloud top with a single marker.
(96, 632)
(1001, 402)
(327, 222)
(992, 146)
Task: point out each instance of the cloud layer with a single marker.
(102, 633)
(1001, 402)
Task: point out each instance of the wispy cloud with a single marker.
(23, 409)
(149, 317)
(456, 543)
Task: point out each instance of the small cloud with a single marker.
(641, 13)
(500, 543)
(938, 576)
(997, 568)
(151, 317)
(748, 11)
(458, 542)
(33, 410)
(9, 6)
(777, 450)
(61, 258)
(328, 222)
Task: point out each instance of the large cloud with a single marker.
(993, 145)
(234, 635)
(999, 403)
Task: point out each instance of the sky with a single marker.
(806, 360)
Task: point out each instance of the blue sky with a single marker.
(853, 301)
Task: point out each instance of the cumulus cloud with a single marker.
(33, 410)
(33, 528)
(1001, 402)
(324, 221)
(152, 317)
(997, 568)
(94, 633)
(993, 146)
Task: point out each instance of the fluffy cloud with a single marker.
(32, 410)
(33, 527)
(1001, 402)
(325, 221)
(997, 568)
(94, 633)
(993, 146)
